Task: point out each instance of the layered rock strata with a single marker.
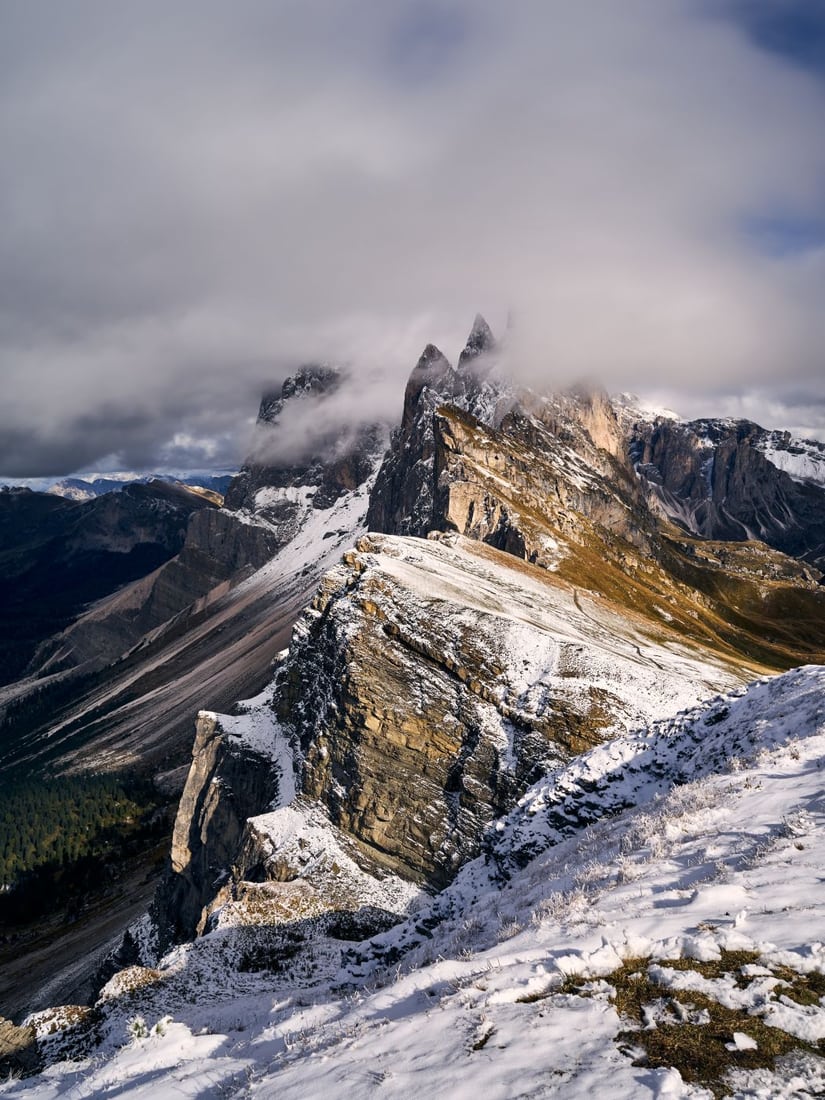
(227, 784)
(507, 467)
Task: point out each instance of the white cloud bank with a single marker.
(198, 196)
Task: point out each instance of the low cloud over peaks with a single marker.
(198, 197)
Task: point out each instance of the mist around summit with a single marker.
(193, 206)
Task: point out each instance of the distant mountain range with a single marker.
(89, 486)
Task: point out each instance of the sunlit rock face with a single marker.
(503, 465)
(431, 682)
(227, 783)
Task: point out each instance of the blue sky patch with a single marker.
(794, 29)
(785, 234)
(427, 39)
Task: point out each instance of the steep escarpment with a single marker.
(550, 478)
(124, 677)
(508, 467)
(431, 682)
(426, 687)
(265, 508)
(629, 914)
(218, 550)
(228, 783)
(731, 479)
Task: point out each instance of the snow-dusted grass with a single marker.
(689, 920)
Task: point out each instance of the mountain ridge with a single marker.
(549, 604)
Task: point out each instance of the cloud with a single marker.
(198, 196)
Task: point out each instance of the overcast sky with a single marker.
(197, 196)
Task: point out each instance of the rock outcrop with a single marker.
(265, 507)
(430, 682)
(426, 687)
(227, 783)
(511, 468)
(19, 1054)
(327, 464)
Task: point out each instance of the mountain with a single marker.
(123, 681)
(119, 689)
(656, 934)
(507, 687)
(87, 488)
(58, 557)
(423, 690)
(731, 479)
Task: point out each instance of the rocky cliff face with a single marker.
(218, 550)
(325, 466)
(228, 783)
(510, 468)
(430, 683)
(426, 687)
(717, 479)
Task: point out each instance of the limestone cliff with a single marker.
(509, 467)
(227, 783)
(218, 550)
(427, 686)
(431, 682)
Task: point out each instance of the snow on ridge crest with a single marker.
(629, 771)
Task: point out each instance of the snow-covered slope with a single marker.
(688, 921)
(802, 459)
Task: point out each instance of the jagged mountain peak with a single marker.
(731, 479)
(630, 407)
(434, 372)
(480, 342)
(311, 380)
(305, 458)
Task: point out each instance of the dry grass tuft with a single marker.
(693, 1031)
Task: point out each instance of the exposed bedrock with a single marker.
(227, 783)
(712, 477)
